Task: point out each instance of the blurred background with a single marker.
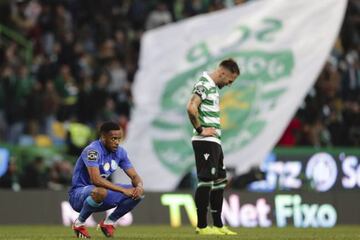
(67, 66)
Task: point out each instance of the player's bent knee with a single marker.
(99, 194)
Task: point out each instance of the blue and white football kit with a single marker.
(96, 155)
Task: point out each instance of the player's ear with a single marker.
(102, 137)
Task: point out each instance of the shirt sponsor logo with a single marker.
(113, 165)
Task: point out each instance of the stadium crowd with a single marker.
(85, 55)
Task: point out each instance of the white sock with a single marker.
(78, 223)
(108, 221)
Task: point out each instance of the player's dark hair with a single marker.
(231, 65)
(108, 126)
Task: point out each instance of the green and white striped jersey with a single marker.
(209, 109)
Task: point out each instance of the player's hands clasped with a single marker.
(134, 193)
(129, 192)
(138, 192)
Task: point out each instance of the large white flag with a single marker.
(280, 45)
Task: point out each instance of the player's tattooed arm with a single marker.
(193, 113)
(193, 110)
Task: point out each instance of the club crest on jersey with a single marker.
(92, 155)
(107, 166)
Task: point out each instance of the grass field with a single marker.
(168, 233)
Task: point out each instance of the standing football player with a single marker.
(204, 113)
(92, 192)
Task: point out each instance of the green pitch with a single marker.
(168, 233)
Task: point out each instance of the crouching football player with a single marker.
(92, 192)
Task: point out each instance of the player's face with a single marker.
(112, 140)
(226, 78)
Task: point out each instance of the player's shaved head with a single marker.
(109, 126)
(230, 65)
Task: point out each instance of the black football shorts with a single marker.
(209, 159)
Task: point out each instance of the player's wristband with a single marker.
(199, 129)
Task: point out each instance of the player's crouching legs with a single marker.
(98, 194)
(123, 204)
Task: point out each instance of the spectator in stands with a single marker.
(60, 174)
(84, 104)
(14, 112)
(292, 134)
(67, 88)
(351, 75)
(78, 136)
(35, 174)
(159, 16)
(34, 107)
(10, 179)
(50, 106)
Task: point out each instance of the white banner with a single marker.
(281, 47)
